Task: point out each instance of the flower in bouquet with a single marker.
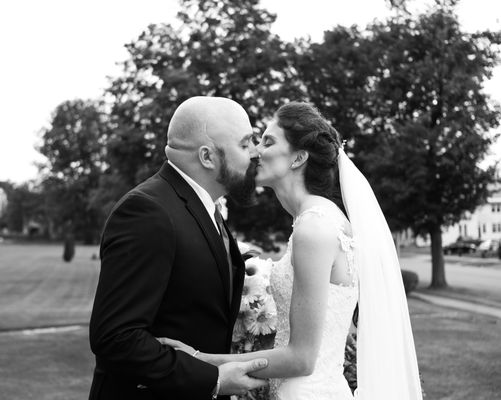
(252, 290)
(256, 323)
(259, 266)
(258, 312)
(257, 281)
(263, 319)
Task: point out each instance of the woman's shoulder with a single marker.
(319, 223)
(324, 215)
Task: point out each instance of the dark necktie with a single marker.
(226, 241)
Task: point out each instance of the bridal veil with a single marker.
(386, 357)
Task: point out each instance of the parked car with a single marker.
(460, 247)
(489, 248)
(476, 242)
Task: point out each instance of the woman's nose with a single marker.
(254, 153)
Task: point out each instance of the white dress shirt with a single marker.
(201, 193)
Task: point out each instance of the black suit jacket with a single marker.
(164, 272)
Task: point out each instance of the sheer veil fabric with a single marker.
(387, 366)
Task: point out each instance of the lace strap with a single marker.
(348, 246)
(316, 210)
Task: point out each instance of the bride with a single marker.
(340, 253)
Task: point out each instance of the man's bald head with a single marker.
(203, 120)
(209, 139)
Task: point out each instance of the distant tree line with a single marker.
(406, 93)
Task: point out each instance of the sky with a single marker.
(58, 50)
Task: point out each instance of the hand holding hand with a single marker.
(234, 378)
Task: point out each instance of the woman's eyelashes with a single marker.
(267, 142)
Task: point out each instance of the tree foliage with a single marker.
(74, 151)
(24, 206)
(406, 93)
(429, 121)
(220, 49)
(335, 73)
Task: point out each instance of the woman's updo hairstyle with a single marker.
(306, 129)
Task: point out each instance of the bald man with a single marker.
(170, 268)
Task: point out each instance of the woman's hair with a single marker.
(306, 129)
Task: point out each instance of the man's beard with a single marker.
(241, 188)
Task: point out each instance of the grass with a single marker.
(46, 366)
(38, 288)
(458, 352)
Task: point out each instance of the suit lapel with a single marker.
(199, 213)
(215, 242)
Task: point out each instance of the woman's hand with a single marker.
(178, 345)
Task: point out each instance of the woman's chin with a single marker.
(263, 179)
(262, 182)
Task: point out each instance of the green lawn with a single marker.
(37, 288)
(459, 352)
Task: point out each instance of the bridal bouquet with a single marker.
(255, 327)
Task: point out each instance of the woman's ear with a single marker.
(207, 157)
(301, 157)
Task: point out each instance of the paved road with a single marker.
(464, 274)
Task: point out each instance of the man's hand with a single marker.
(234, 378)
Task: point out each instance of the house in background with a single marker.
(484, 223)
(3, 202)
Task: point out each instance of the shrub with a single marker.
(410, 279)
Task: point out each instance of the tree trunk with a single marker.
(437, 259)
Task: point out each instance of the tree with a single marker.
(335, 73)
(265, 223)
(74, 148)
(220, 49)
(23, 206)
(428, 125)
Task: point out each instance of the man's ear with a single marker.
(301, 157)
(207, 157)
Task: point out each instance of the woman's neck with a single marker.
(292, 196)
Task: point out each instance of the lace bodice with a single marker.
(327, 381)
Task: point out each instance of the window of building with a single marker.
(493, 208)
(498, 208)
(494, 227)
(484, 228)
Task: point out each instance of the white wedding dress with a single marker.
(327, 381)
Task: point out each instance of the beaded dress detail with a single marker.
(327, 381)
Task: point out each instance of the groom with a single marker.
(170, 267)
